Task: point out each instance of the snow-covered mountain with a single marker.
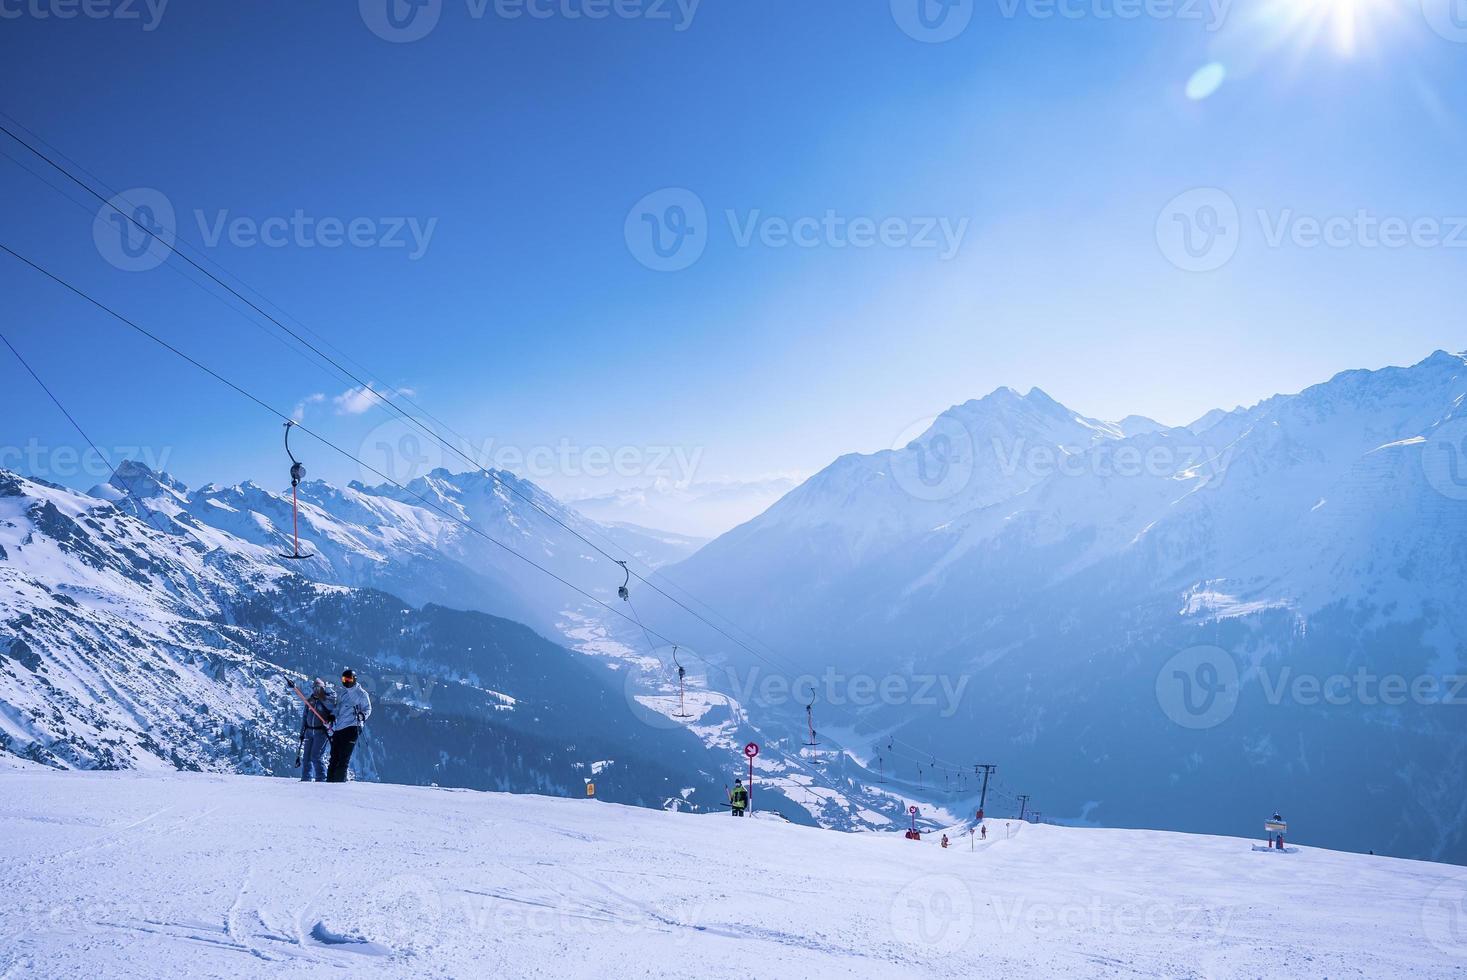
(1059, 564)
(148, 625)
(413, 541)
(123, 645)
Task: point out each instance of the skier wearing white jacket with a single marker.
(351, 709)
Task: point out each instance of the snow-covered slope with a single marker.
(131, 875)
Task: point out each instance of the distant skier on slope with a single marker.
(314, 733)
(738, 800)
(351, 708)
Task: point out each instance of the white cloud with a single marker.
(299, 412)
(355, 401)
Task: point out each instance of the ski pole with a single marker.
(306, 701)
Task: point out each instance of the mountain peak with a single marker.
(134, 477)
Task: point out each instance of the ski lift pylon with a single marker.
(681, 673)
(297, 474)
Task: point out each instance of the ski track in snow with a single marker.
(236, 876)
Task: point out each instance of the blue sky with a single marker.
(1054, 142)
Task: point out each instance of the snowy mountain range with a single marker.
(1142, 625)
(1157, 624)
(169, 643)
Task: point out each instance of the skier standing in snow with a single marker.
(738, 800)
(314, 733)
(352, 708)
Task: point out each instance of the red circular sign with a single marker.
(752, 749)
(912, 810)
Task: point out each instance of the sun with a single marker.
(1345, 25)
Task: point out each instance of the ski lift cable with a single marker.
(380, 396)
(322, 439)
(202, 256)
(362, 383)
(171, 267)
(264, 405)
(354, 378)
(82, 432)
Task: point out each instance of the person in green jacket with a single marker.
(738, 800)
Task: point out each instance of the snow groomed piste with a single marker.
(124, 874)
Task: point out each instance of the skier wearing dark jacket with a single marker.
(314, 733)
(352, 708)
